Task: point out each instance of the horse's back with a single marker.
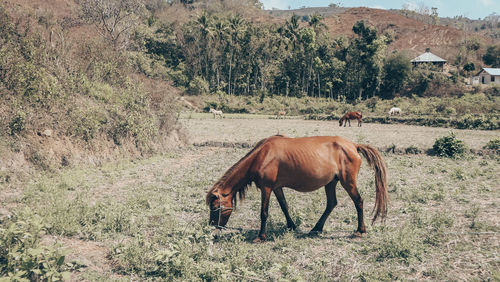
(305, 163)
(353, 115)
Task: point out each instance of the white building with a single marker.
(486, 76)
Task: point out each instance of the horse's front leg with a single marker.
(264, 212)
(278, 192)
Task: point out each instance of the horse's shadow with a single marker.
(249, 235)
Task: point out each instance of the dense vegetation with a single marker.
(228, 53)
(88, 91)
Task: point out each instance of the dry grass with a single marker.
(146, 219)
(239, 128)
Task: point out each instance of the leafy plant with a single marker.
(494, 145)
(413, 150)
(449, 146)
(22, 257)
(18, 123)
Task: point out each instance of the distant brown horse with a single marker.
(350, 115)
(280, 114)
(303, 164)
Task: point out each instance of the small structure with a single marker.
(427, 59)
(486, 76)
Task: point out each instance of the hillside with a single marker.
(67, 97)
(409, 34)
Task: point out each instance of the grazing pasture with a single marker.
(147, 219)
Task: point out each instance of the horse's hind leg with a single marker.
(278, 192)
(331, 202)
(349, 185)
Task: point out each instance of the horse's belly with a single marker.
(305, 182)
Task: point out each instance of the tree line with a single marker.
(297, 58)
(224, 52)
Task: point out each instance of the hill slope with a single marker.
(409, 34)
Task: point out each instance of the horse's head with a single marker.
(221, 207)
(340, 122)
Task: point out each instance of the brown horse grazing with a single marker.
(350, 115)
(303, 164)
(280, 114)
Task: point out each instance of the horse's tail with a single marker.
(377, 163)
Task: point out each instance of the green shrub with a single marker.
(22, 257)
(413, 150)
(449, 146)
(18, 123)
(494, 145)
(87, 123)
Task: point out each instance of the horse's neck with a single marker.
(237, 176)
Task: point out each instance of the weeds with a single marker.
(150, 217)
(449, 146)
(493, 145)
(18, 123)
(23, 257)
(413, 150)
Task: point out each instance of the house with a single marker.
(486, 76)
(427, 59)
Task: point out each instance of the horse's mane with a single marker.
(242, 186)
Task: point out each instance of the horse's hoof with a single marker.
(258, 240)
(216, 233)
(314, 233)
(357, 234)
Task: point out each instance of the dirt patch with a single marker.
(89, 255)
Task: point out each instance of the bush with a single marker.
(413, 150)
(494, 145)
(18, 123)
(449, 146)
(22, 257)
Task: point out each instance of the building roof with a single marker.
(491, 71)
(427, 57)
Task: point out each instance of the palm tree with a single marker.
(236, 27)
(206, 30)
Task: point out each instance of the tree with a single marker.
(397, 69)
(236, 29)
(468, 67)
(113, 19)
(492, 56)
(364, 62)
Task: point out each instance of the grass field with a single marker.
(147, 219)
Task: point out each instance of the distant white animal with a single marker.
(395, 111)
(217, 113)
